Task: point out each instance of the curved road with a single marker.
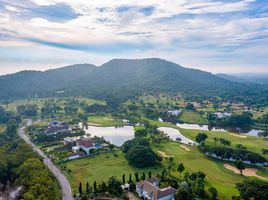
(63, 181)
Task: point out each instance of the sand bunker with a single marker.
(185, 148)
(246, 172)
(163, 154)
(236, 135)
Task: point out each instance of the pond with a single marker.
(115, 135)
(118, 135)
(252, 132)
(174, 134)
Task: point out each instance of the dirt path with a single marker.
(246, 172)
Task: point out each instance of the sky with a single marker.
(219, 36)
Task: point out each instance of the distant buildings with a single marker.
(148, 189)
(221, 115)
(56, 127)
(175, 113)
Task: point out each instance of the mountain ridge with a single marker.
(117, 79)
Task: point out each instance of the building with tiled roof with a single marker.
(148, 189)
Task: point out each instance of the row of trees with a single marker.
(228, 153)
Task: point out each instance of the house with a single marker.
(175, 113)
(86, 144)
(221, 115)
(56, 127)
(148, 189)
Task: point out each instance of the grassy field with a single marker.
(252, 143)
(105, 120)
(40, 101)
(192, 117)
(103, 166)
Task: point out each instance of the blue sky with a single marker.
(227, 36)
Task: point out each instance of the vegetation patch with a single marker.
(192, 117)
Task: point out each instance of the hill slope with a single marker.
(118, 78)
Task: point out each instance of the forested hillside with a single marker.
(120, 79)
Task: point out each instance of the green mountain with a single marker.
(119, 79)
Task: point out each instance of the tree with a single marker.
(140, 133)
(253, 189)
(213, 193)
(150, 174)
(180, 168)
(240, 166)
(134, 142)
(136, 176)
(201, 137)
(95, 187)
(136, 155)
(183, 194)
(87, 188)
(130, 178)
(114, 186)
(143, 176)
(123, 179)
(80, 188)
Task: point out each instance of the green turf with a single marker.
(252, 143)
(192, 117)
(105, 120)
(101, 167)
(40, 101)
(217, 176)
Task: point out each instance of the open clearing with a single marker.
(104, 120)
(192, 117)
(246, 172)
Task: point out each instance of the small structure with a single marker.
(148, 189)
(175, 113)
(221, 115)
(68, 140)
(56, 127)
(86, 144)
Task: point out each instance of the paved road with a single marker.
(63, 181)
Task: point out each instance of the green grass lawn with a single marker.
(40, 101)
(252, 143)
(101, 167)
(105, 120)
(192, 117)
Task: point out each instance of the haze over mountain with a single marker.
(120, 79)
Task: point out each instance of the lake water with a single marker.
(115, 135)
(252, 132)
(174, 134)
(118, 135)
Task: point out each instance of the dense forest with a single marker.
(19, 165)
(121, 79)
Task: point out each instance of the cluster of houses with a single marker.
(56, 127)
